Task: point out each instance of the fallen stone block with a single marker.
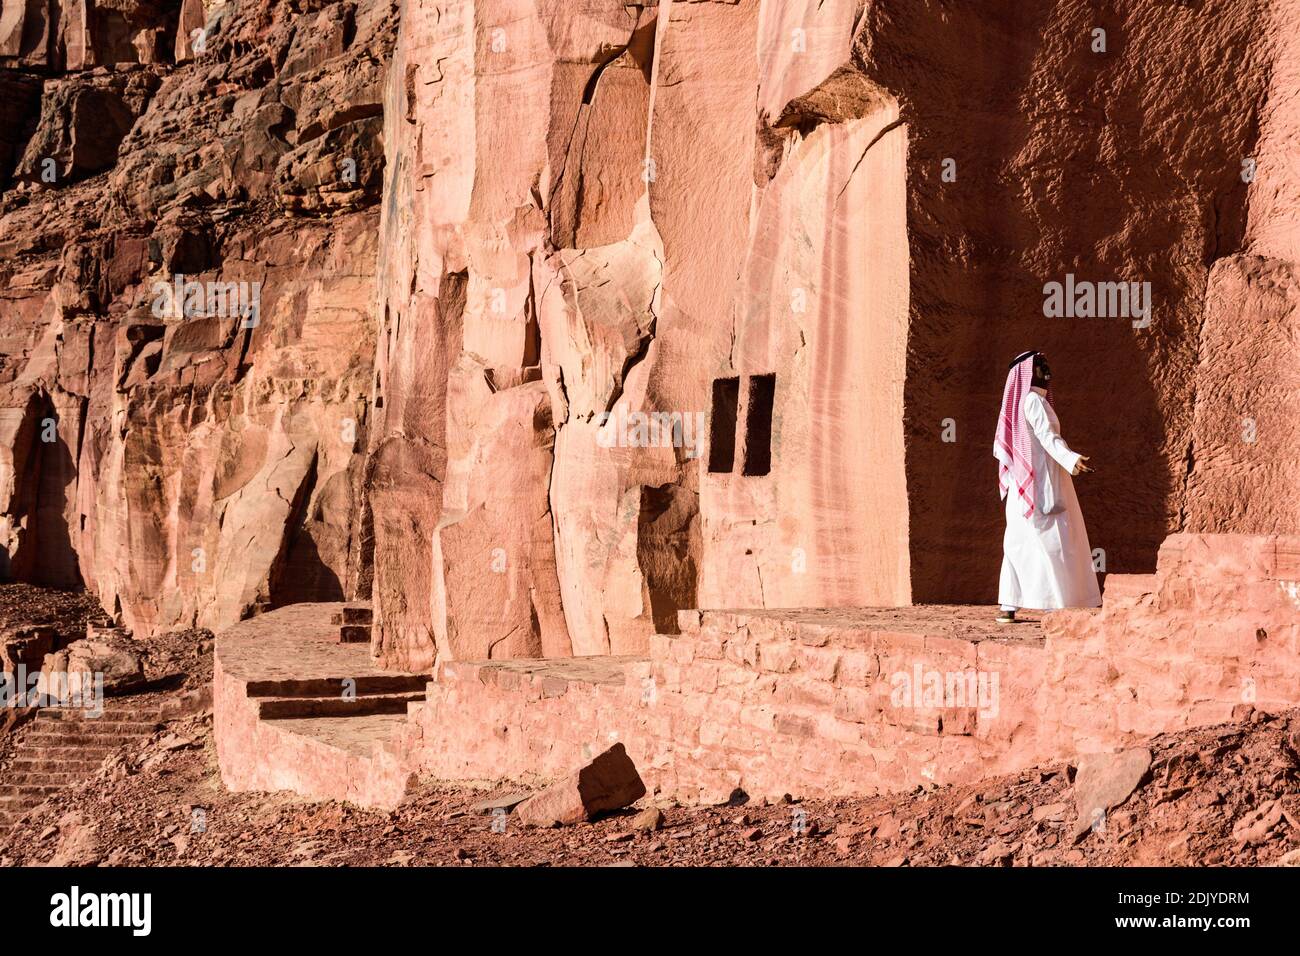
(505, 803)
(82, 665)
(1105, 781)
(607, 783)
(26, 647)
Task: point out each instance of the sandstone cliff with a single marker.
(827, 227)
(194, 461)
(665, 304)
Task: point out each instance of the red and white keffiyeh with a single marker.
(1013, 443)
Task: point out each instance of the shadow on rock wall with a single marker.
(1111, 158)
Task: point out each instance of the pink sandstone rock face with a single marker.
(827, 227)
(1114, 166)
(580, 267)
(574, 316)
(77, 35)
(1243, 469)
(189, 468)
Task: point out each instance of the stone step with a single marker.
(44, 778)
(368, 685)
(353, 614)
(123, 716)
(83, 718)
(354, 735)
(27, 790)
(90, 729)
(96, 753)
(281, 708)
(57, 724)
(30, 764)
(354, 634)
(111, 740)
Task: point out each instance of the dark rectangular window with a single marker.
(722, 424)
(758, 425)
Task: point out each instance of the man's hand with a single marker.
(1080, 468)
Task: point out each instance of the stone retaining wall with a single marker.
(772, 703)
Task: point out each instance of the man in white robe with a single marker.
(1047, 561)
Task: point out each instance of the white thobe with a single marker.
(1046, 558)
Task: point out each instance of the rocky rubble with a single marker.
(67, 612)
(1217, 796)
(491, 247)
(112, 663)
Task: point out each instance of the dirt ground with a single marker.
(67, 611)
(163, 805)
(1226, 795)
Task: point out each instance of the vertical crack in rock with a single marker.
(38, 544)
(297, 572)
(632, 361)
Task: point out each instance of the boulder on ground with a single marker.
(25, 646)
(73, 671)
(1106, 780)
(609, 782)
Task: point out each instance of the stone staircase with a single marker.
(365, 695)
(354, 620)
(63, 747)
(301, 705)
(361, 696)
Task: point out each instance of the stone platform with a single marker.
(820, 702)
(769, 702)
(296, 709)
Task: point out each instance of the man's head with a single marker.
(1042, 371)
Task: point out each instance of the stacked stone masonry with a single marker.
(838, 702)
